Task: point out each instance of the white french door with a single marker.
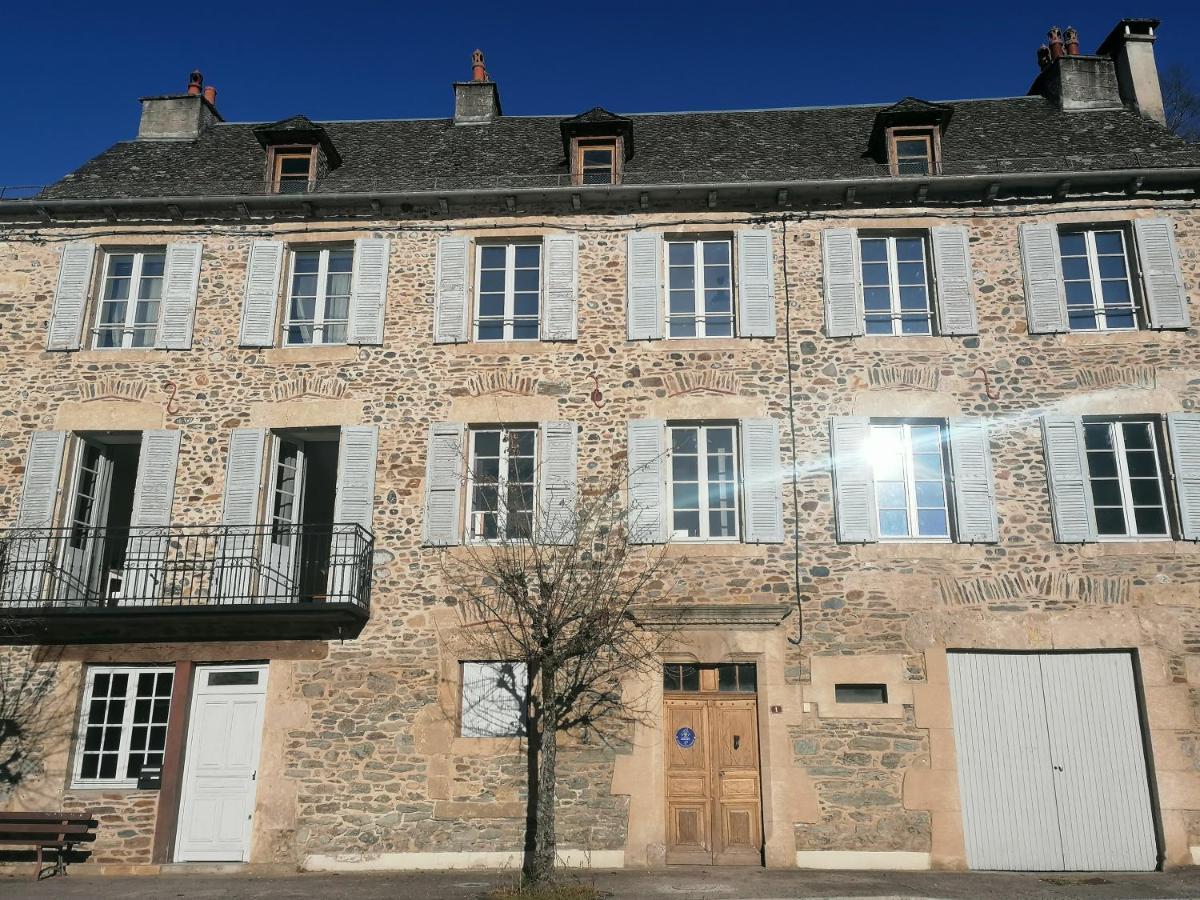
(285, 505)
(216, 809)
(82, 548)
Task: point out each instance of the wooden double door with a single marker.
(714, 795)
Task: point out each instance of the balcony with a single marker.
(184, 583)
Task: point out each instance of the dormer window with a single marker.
(913, 151)
(596, 145)
(293, 169)
(595, 161)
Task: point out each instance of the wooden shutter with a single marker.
(974, 485)
(1162, 280)
(1067, 476)
(261, 302)
(762, 477)
(450, 300)
(444, 467)
(354, 498)
(853, 480)
(755, 283)
(1045, 295)
(153, 496)
(844, 316)
(952, 268)
(71, 296)
(1184, 432)
(368, 292)
(644, 305)
(560, 296)
(243, 476)
(43, 470)
(181, 279)
(646, 453)
(558, 481)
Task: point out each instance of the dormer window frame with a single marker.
(579, 145)
(276, 155)
(932, 136)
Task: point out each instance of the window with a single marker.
(699, 288)
(123, 726)
(503, 471)
(860, 693)
(1125, 471)
(508, 288)
(595, 162)
(318, 307)
(1095, 266)
(914, 151)
(896, 290)
(493, 699)
(908, 460)
(724, 677)
(127, 314)
(292, 169)
(704, 484)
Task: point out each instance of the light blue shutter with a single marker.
(450, 299)
(762, 474)
(644, 304)
(558, 482)
(153, 496)
(1045, 295)
(853, 480)
(646, 453)
(755, 283)
(844, 316)
(71, 296)
(1162, 280)
(27, 572)
(560, 301)
(261, 301)
(354, 498)
(1067, 476)
(368, 293)
(181, 279)
(1184, 432)
(237, 552)
(974, 485)
(444, 467)
(952, 268)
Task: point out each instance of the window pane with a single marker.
(1142, 464)
(875, 274)
(877, 298)
(682, 302)
(1075, 268)
(1110, 521)
(726, 677)
(893, 523)
(1151, 520)
(527, 256)
(932, 523)
(681, 253)
(747, 676)
(1107, 491)
(891, 494)
(1110, 242)
(1072, 243)
(691, 677)
(1112, 266)
(931, 493)
(686, 522)
(873, 250)
(1102, 464)
(1097, 436)
(914, 298)
(911, 273)
(1145, 491)
(911, 249)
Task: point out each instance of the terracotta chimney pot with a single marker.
(1072, 41)
(195, 82)
(478, 72)
(210, 94)
(1056, 43)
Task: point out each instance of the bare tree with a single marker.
(553, 597)
(1181, 101)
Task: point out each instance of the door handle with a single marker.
(737, 741)
(1057, 768)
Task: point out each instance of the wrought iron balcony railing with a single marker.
(184, 582)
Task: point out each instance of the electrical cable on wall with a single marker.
(791, 407)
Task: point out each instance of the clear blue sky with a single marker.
(71, 72)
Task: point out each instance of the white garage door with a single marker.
(1051, 768)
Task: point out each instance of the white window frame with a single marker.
(318, 323)
(127, 723)
(501, 481)
(910, 484)
(129, 325)
(1092, 256)
(893, 265)
(700, 318)
(473, 732)
(702, 429)
(1123, 481)
(510, 292)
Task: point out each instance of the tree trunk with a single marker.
(539, 865)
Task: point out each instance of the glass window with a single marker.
(508, 291)
(1095, 268)
(913, 153)
(908, 461)
(704, 483)
(699, 288)
(1126, 479)
(724, 677)
(123, 725)
(318, 303)
(896, 290)
(293, 170)
(595, 162)
(493, 699)
(503, 477)
(127, 314)
(860, 693)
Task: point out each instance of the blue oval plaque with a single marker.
(685, 737)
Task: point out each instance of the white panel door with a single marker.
(221, 767)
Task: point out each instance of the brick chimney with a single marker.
(476, 102)
(179, 117)
(1131, 47)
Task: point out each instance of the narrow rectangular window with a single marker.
(699, 288)
(292, 170)
(130, 293)
(704, 482)
(1095, 266)
(1126, 474)
(493, 699)
(502, 480)
(860, 693)
(123, 725)
(596, 162)
(909, 466)
(318, 303)
(896, 290)
(508, 290)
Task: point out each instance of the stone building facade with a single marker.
(861, 708)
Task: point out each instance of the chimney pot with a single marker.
(1056, 42)
(195, 82)
(1043, 56)
(1072, 41)
(210, 94)
(478, 71)
(476, 102)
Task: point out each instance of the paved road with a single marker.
(676, 883)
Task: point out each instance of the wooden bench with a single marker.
(58, 831)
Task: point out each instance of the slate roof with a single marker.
(1020, 134)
